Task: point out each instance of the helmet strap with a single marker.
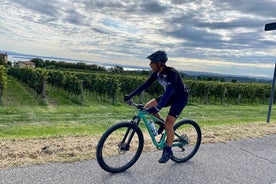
(160, 67)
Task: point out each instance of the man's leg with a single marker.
(167, 152)
(170, 120)
(153, 103)
(176, 108)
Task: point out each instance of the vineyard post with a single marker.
(0, 93)
(271, 95)
(270, 27)
(44, 97)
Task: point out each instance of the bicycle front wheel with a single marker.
(120, 147)
(187, 140)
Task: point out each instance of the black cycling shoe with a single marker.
(167, 154)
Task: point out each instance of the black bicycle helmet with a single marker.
(158, 56)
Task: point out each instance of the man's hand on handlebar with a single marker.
(152, 110)
(127, 98)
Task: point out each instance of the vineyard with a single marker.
(3, 81)
(111, 87)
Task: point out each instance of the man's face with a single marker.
(154, 66)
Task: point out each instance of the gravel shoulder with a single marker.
(23, 152)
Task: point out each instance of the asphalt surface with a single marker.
(246, 161)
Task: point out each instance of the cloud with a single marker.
(75, 18)
(254, 7)
(153, 7)
(42, 7)
(128, 30)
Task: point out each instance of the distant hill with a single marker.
(192, 74)
(227, 77)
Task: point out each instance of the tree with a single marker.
(9, 64)
(117, 69)
(38, 62)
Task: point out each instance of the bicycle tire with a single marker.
(190, 137)
(113, 155)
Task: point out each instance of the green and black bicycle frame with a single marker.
(146, 118)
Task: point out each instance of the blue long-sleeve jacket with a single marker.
(171, 81)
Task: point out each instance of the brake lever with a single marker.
(140, 106)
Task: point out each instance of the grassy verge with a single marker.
(51, 121)
(62, 120)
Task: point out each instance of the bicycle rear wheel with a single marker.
(120, 147)
(188, 138)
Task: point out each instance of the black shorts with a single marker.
(177, 104)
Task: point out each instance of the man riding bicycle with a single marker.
(175, 95)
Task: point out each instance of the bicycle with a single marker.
(122, 144)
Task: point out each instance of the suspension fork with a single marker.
(135, 121)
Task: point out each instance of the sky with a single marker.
(217, 36)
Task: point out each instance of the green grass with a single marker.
(227, 114)
(42, 121)
(23, 116)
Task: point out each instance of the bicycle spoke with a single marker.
(120, 147)
(186, 142)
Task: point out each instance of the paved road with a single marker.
(246, 161)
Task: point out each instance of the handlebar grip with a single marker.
(138, 106)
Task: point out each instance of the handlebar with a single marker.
(142, 107)
(138, 106)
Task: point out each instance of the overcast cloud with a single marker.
(202, 35)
